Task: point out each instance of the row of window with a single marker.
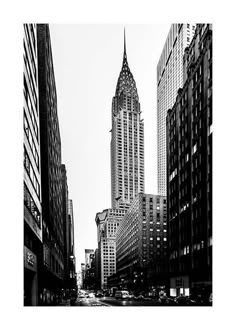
(30, 108)
(32, 58)
(31, 141)
(31, 206)
(29, 169)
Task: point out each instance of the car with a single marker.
(123, 294)
(99, 294)
(91, 295)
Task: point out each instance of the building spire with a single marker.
(126, 82)
(124, 43)
(125, 63)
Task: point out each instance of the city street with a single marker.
(111, 301)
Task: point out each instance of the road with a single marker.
(111, 301)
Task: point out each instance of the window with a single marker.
(30, 204)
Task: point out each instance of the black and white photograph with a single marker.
(118, 165)
(117, 174)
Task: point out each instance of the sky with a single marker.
(87, 61)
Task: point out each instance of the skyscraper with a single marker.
(32, 173)
(169, 79)
(107, 222)
(189, 169)
(52, 270)
(127, 168)
(127, 141)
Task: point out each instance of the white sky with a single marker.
(87, 62)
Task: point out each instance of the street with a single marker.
(111, 301)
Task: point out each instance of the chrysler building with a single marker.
(127, 140)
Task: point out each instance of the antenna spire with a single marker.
(124, 43)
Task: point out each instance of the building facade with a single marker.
(189, 171)
(72, 262)
(169, 79)
(32, 171)
(68, 227)
(82, 274)
(107, 222)
(88, 253)
(79, 279)
(52, 268)
(141, 244)
(89, 280)
(127, 140)
(65, 215)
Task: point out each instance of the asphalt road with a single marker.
(111, 301)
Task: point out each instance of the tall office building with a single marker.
(127, 169)
(107, 222)
(189, 170)
(141, 244)
(32, 173)
(169, 79)
(127, 140)
(52, 270)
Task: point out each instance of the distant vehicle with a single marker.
(122, 294)
(99, 294)
(91, 295)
